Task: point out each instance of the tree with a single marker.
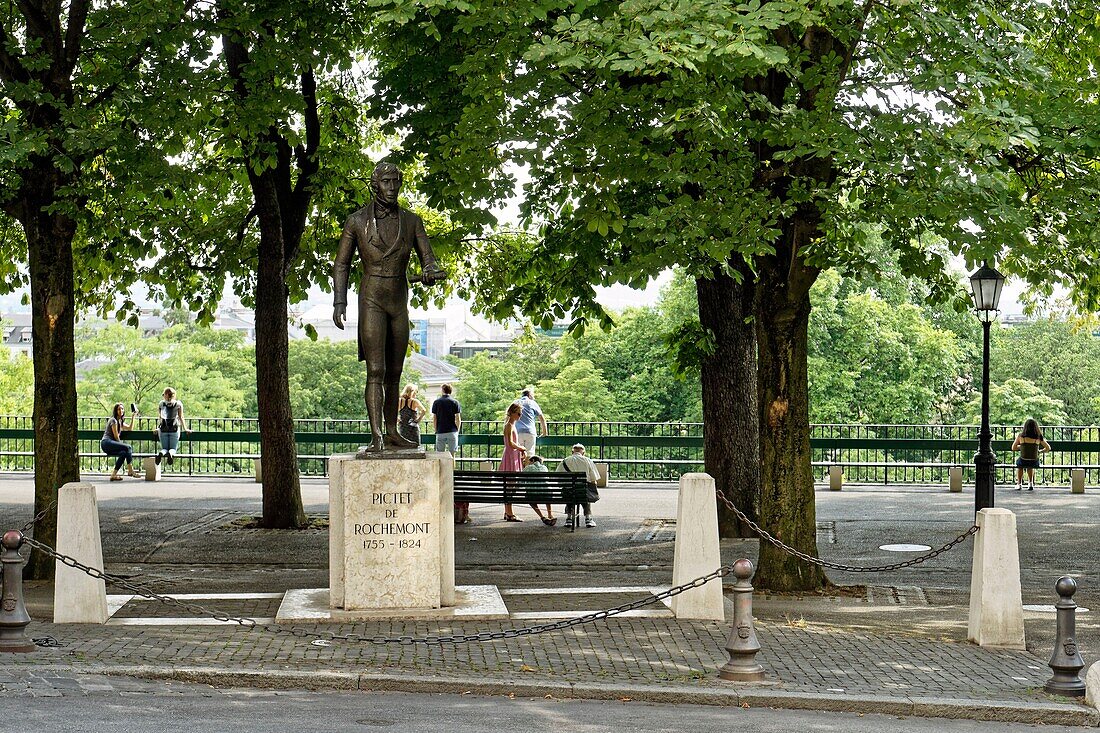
(756, 145)
(16, 384)
(874, 362)
(1014, 402)
(77, 81)
(486, 387)
(1060, 357)
(131, 367)
(578, 393)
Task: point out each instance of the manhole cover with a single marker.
(1050, 609)
(905, 548)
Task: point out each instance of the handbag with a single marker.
(593, 494)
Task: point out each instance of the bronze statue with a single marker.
(385, 236)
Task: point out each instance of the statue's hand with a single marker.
(433, 274)
(338, 314)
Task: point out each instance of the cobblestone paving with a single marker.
(624, 651)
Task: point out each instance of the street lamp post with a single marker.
(986, 285)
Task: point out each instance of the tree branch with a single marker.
(252, 214)
(74, 33)
(11, 67)
(41, 26)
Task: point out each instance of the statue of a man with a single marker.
(384, 235)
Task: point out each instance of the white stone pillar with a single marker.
(955, 479)
(150, 468)
(78, 598)
(1077, 480)
(697, 552)
(836, 478)
(258, 470)
(996, 600)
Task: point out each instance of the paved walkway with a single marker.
(853, 653)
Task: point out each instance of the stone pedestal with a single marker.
(996, 600)
(1077, 480)
(836, 478)
(697, 551)
(955, 479)
(150, 469)
(78, 598)
(391, 533)
(258, 470)
(604, 469)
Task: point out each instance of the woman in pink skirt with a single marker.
(513, 452)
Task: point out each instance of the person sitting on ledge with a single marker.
(112, 444)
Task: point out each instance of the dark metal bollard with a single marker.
(1066, 660)
(742, 644)
(13, 613)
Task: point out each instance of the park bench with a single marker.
(521, 487)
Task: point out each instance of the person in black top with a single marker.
(447, 419)
(112, 444)
(1031, 444)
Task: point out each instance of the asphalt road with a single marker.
(256, 711)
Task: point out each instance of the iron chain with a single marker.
(836, 565)
(301, 633)
(40, 515)
(513, 633)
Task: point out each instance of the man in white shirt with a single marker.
(578, 462)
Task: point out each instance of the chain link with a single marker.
(26, 527)
(836, 565)
(301, 633)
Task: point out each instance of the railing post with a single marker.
(13, 612)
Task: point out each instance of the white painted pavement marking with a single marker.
(905, 548)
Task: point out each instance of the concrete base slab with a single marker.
(471, 602)
(115, 604)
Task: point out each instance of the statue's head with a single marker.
(385, 183)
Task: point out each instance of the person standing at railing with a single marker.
(112, 443)
(409, 414)
(446, 422)
(529, 413)
(171, 421)
(1031, 444)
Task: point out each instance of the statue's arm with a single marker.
(428, 265)
(340, 271)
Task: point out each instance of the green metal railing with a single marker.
(878, 454)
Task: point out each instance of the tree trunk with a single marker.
(731, 438)
(787, 497)
(56, 460)
(282, 495)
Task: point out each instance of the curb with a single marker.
(745, 695)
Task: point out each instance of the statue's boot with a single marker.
(394, 438)
(373, 397)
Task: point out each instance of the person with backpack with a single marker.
(170, 412)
